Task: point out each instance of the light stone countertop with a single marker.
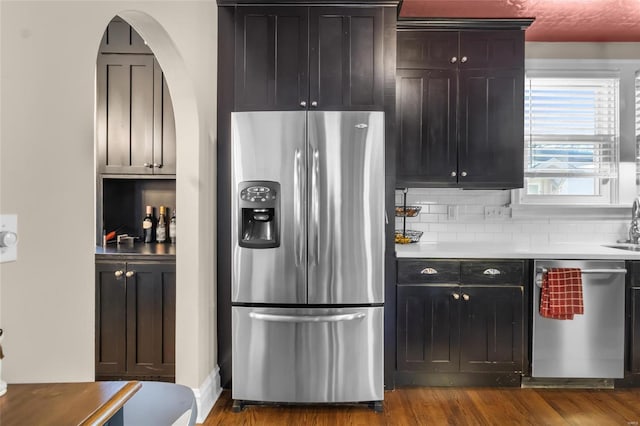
(512, 250)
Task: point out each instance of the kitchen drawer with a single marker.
(418, 271)
(488, 272)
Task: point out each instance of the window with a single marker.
(571, 137)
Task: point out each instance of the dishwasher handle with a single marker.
(584, 271)
(592, 271)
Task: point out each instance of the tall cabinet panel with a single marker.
(271, 58)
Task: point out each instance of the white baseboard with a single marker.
(207, 394)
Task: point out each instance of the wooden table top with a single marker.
(60, 404)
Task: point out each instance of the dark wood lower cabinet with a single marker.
(634, 335)
(460, 322)
(428, 322)
(491, 329)
(135, 320)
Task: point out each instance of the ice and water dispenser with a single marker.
(259, 214)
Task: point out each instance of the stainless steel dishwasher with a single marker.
(590, 345)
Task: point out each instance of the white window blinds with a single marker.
(571, 127)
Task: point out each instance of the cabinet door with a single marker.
(125, 113)
(426, 121)
(151, 316)
(346, 58)
(271, 58)
(491, 128)
(491, 49)
(164, 126)
(111, 318)
(634, 343)
(491, 329)
(428, 49)
(428, 322)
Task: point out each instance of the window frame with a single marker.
(623, 189)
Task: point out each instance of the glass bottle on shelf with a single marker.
(172, 227)
(161, 231)
(148, 226)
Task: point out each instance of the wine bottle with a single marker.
(172, 227)
(148, 226)
(161, 231)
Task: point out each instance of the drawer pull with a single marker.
(492, 271)
(429, 271)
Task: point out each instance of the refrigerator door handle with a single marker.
(314, 243)
(297, 205)
(306, 318)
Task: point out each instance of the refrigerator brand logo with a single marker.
(361, 126)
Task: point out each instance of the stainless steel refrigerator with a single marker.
(308, 225)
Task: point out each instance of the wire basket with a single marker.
(409, 236)
(408, 211)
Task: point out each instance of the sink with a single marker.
(624, 246)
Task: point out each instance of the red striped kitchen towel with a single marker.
(561, 295)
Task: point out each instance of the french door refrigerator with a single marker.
(308, 225)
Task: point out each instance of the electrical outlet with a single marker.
(497, 212)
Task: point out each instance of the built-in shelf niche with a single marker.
(124, 201)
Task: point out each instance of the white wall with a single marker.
(48, 53)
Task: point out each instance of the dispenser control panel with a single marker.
(258, 194)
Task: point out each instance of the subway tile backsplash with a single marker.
(455, 215)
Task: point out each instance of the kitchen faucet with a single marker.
(634, 231)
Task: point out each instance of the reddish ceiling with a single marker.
(555, 20)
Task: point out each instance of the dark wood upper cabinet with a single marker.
(415, 51)
(427, 141)
(460, 95)
(271, 58)
(135, 121)
(346, 58)
(326, 58)
(491, 128)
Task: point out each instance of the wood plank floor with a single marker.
(453, 406)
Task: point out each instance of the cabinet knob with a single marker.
(463, 174)
(157, 166)
(466, 297)
(454, 60)
(148, 165)
(453, 174)
(464, 59)
(314, 104)
(303, 104)
(456, 296)
(118, 274)
(129, 274)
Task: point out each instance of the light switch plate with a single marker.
(9, 223)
